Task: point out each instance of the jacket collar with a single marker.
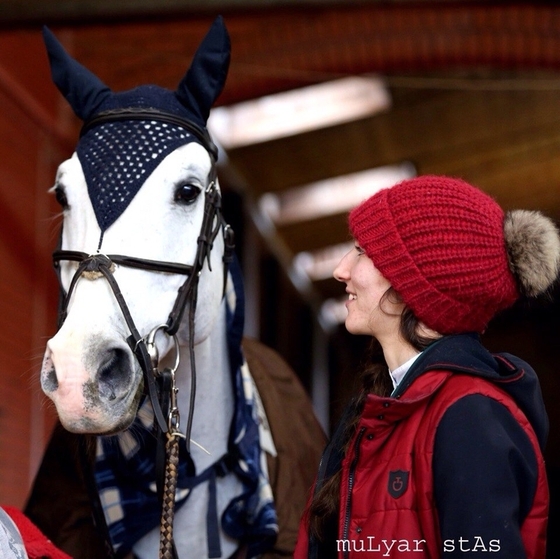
(461, 353)
(464, 354)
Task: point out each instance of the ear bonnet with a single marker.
(127, 134)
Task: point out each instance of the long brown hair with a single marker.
(375, 379)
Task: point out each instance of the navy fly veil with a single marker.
(116, 159)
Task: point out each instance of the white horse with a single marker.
(169, 238)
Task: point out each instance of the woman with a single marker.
(441, 453)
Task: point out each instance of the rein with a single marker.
(160, 385)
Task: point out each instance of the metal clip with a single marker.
(153, 350)
(174, 418)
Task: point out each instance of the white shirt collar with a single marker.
(398, 374)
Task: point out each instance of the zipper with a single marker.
(351, 475)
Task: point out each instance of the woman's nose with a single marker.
(341, 272)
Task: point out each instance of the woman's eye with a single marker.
(60, 196)
(187, 193)
(359, 249)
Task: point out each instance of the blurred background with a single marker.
(326, 102)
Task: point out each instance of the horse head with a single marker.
(142, 189)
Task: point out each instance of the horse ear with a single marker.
(207, 74)
(83, 90)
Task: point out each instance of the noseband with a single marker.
(160, 385)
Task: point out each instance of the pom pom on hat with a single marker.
(440, 242)
(533, 246)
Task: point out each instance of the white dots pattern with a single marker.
(117, 157)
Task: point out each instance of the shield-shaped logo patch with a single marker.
(398, 483)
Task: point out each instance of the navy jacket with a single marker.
(492, 447)
(485, 470)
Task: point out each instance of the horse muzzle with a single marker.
(95, 386)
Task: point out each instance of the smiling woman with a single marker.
(444, 442)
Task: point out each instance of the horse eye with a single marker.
(187, 193)
(60, 196)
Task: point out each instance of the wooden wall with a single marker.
(30, 149)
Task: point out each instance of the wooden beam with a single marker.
(66, 11)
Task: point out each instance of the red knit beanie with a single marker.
(440, 243)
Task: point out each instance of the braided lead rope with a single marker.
(171, 473)
(166, 545)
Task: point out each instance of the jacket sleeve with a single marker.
(299, 441)
(485, 478)
(59, 503)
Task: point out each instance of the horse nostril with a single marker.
(50, 380)
(114, 374)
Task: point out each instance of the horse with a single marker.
(204, 442)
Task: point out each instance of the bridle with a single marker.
(96, 265)
(160, 385)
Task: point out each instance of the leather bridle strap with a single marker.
(136, 113)
(208, 232)
(102, 264)
(128, 261)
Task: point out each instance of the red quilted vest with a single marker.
(392, 507)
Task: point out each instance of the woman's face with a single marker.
(365, 287)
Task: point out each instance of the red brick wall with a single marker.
(30, 150)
